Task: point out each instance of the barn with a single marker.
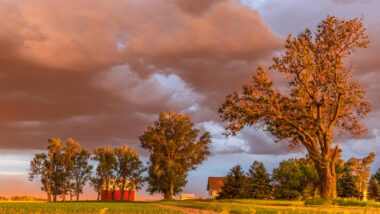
(128, 195)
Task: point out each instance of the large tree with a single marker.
(174, 148)
(321, 99)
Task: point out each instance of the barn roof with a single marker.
(215, 183)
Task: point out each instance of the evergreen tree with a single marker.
(259, 181)
(373, 189)
(377, 175)
(346, 186)
(235, 185)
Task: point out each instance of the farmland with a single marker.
(194, 206)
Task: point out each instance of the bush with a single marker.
(318, 201)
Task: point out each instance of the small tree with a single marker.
(49, 168)
(322, 98)
(174, 149)
(259, 181)
(106, 165)
(361, 170)
(346, 186)
(69, 151)
(128, 168)
(373, 189)
(96, 183)
(295, 179)
(136, 180)
(39, 167)
(235, 185)
(377, 175)
(81, 171)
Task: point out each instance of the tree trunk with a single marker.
(129, 194)
(77, 196)
(171, 191)
(107, 183)
(48, 190)
(113, 190)
(64, 189)
(327, 179)
(70, 192)
(98, 195)
(122, 189)
(166, 195)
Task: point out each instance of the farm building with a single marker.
(187, 196)
(214, 186)
(128, 195)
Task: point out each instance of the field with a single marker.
(82, 207)
(194, 206)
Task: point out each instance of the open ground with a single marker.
(191, 206)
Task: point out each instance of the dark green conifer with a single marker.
(235, 185)
(259, 181)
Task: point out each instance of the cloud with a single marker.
(249, 140)
(351, 1)
(101, 72)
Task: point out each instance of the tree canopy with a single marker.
(321, 98)
(174, 148)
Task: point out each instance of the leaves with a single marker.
(322, 100)
(174, 148)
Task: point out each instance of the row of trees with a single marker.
(120, 168)
(65, 169)
(298, 179)
(174, 145)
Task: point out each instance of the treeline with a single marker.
(64, 170)
(174, 145)
(21, 198)
(297, 179)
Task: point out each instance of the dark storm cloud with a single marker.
(100, 72)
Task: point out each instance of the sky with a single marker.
(100, 72)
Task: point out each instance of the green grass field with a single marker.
(193, 206)
(82, 207)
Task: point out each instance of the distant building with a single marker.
(128, 195)
(214, 186)
(187, 196)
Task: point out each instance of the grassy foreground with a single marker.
(83, 207)
(273, 206)
(174, 207)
